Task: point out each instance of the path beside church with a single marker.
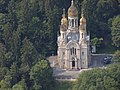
(72, 75)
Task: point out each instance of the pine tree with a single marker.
(15, 73)
(29, 55)
(2, 55)
(21, 85)
(41, 75)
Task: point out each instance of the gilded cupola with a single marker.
(72, 11)
(82, 20)
(82, 23)
(64, 20)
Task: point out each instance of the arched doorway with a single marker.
(73, 64)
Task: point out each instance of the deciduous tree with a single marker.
(116, 31)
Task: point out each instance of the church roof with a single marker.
(72, 11)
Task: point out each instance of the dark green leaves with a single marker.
(116, 31)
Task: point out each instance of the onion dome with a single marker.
(82, 20)
(72, 11)
(64, 20)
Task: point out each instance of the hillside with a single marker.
(28, 34)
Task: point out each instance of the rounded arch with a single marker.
(73, 44)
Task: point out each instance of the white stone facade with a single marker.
(73, 42)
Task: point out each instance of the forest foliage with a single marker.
(99, 79)
(28, 34)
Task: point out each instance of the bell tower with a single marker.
(63, 26)
(84, 43)
(82, 28)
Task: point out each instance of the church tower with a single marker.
(72, 17)
(84, 43)
(73, 42)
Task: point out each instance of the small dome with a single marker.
(72, 11)
(64, 20)
(82, 20)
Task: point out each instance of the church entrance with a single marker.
(73, 64)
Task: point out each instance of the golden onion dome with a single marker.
(82, 20)
(64, 20)
(72, 11)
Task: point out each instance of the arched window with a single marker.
(72, 22)
(63, 35)
(82, 35)
(75, 22)
(71, 51)
(75, 51)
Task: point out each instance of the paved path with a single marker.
(72, 75)
(98, 60)
(61, 74)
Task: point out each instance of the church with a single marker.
(73, 41)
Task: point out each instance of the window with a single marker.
(63, 53)
(63, 35)
(73, 51)
(72, 22)
(83, 53)
(69, 21)
(75, 22)
(82, 35)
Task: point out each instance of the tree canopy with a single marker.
(99, 79)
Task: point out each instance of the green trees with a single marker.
(5, 83)
(29, 55)
(96, 42)
(90, 80)
(21, 85)
(41, 75)
(114, 73)
(116, 31)
(99, 14)
(99, 79)
(2, 55)
(24, 40)
(106, 9)
(117, 57)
